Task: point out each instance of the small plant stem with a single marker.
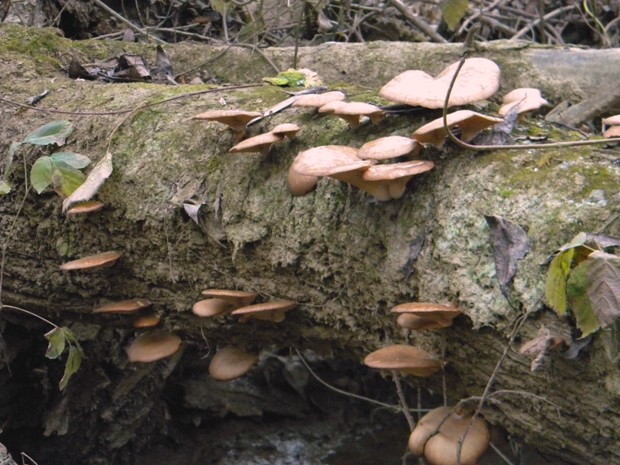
(403, 400)
(28, 312)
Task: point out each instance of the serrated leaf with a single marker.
(55, 132)
(41, 174)
(92, 184)
(72, 365)
(452, 11)
(604, 291)
(75, 160)
(56, 343)
(5, 188)
(555, 285)
(66, 179)
(577, 292)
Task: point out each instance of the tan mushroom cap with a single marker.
(229, 363)
(613, 120)
(317, 100)
(331, 107)
(236, 119)
(124, 306)
(523, 99)
(352, 112)
(388, 147)
(287, 130)
(328, 160)
(438, 443)
(300, 184)
(237, 298)
(387, 182)
(418, 323)
(612, 131)
(477, 80)
(268, 311)
(261, 143)
(429, 310)
(146, 321)
(152, 346)
(90, 206)
(92, 262)
(212, 307)
(405, 359)
(469, 122)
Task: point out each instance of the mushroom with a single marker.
(387, 182)
(522, 100)
(331, 107)
(212, 307)
(124, 306)
(92, 262)
(469, 122)
(237, 120)
(152, 346)
(300, 184)
(146, 321)
(439, 432)
(425, 315)
(317, 100)
(406, 359)
(236, 298)
(614, 126)
(261, 143)
(269, 311)
(353, 112)
(286, 130)
(230, 363)
(477, 80)
(388, 147)
(90, 206)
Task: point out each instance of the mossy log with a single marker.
(346, 258)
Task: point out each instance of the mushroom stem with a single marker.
(403, 400)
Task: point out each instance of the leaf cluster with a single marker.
(60, 340)
(584, 276)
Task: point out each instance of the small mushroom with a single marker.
(92, 262)
(469, 122)
(522, 100)
(387, 182)
(317, 100)
(269, 311)
(236, 298)
(477, 80)
(425, 315)
(353, 112)
(388, 147)
(405, 359)
(261, 143)
(208, 308)
(152, 346)
(90, 206)
(230, 363)
(146, 321)
(237, 120)
(124, 306)
(331, 107)
(286, 130)
(438, 433)
(614, 126)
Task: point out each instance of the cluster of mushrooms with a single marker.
(371, 167)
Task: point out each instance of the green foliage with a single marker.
(59, 339)
(452, 11)
(587, 281)
(54, 133)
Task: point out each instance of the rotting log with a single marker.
(346, 258)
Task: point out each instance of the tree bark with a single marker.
(345, 257)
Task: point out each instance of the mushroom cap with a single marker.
(90, 206)
(237, 298)
(288, 130)
(431, 311)
(317, 100)
(612, 131)
(269, 311)
(388, 147)
(300, 184)
(230, 363)
(124, 306)
(92, 262)
(418, 323)
(212, 307)
(469, 122)
(438, 443)
(260, 143)
(388, 172)
(353, 111)
(152, 346)
(328, 160)
(613, 120)
(146, 321)
(236, 119)
(477, 80)
(331, 106)
(523, 99)
(404, 358)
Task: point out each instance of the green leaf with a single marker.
(41, 174)
(5, 188)
(55, 132)
(56, 343)
(555, 285)
(452, 12)
(288, 78)
(74, 160)
(577, 292)
(604, 291)
(72, 365)
(66, 179)
(221, 6)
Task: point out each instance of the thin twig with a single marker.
(417, 22)
(105, 7)
(28, 312)
(403, 400)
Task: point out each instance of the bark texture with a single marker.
(346, 258)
